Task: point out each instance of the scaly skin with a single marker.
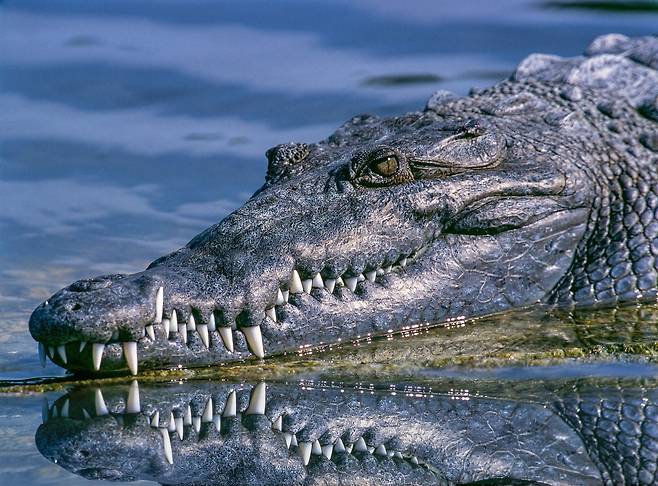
(542, 188)
(578, 432)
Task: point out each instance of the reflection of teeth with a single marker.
(45, 410)
(257, 401)
(166, 442)
(51, 352)
(83, 345)
(61, 350)
(42, 355)
(227, 338)
(187, 418)
(230, 407)
(99, 403)
(132, 404)
(64, 412)
(130, 353)
(254, 340)
(295, 285)
(97, 354)
(159, 304)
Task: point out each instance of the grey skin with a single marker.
(579, 432)
(542, 188)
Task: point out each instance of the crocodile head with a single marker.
(473, 206)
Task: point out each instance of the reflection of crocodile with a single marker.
(542, 188)
(572, 432)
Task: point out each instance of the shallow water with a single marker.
(127, 127)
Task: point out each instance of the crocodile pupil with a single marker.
(386, 166)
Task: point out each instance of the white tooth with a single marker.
(380, 450)
(182, 330)
(85, 414)
(317, 281)
(288, 438)
(155, 419)
(286, 295)
(271, 313)
(305, 452)
(64, 412)
(150, 331)
(254, 340)
(327, 450)
(196, 422)
(295, 285)
(360, 445)
(293, 440)
(371, 276)
(348, 448)
(159, 304)
(227, 337)
(371, 450)
(279, 298)
(130, 353)
(403, 262)
(166, 442)
(380, 271)
(178, 421)
(187, 418)
(360, 277)
(257, 400)
(330, 284)
(172, 423)
(212, 325)
(45, 410)
(174, 321)
(207, 411)
(414, 460)
(42, 355)
(231, 406)
(278, 424)
(99, 403)
(316, 449)
(387, 269)
(350, 283)
(217, 420)
(397, 455)
(390, 453)
(83, 345)
(339, 446)
(133, 405)
(61, 350)
(307, 285)
(340, 282)
(97, 354)
(166, 324)
(191, 323)
(202, 329)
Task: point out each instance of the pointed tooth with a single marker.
(307, 285)
(51, 352)
(371, 450)
(159, 305)
(350, 283)
(330, 284)
(380, 450)
(226, 333)
(390, 453)
(279, 298)
(150, 331)
(317, 281)
(61, 350)
(271, 313)
(42, 355)
(217, 420)
(196, 422)
(305, 452)
(178, 421)
(360, 445)
(339, 446)
(99, 403)
(172, 423)
(155, 419)
(278, 424)
(254, 340)
(130, 354)
(327, 450)
(166, 444)
(293, 440)
(286, 295)
(397, 455)
(257, 400)
(191, 323)
(340, 282)
(187, 418)
(387, 269)
(64, 412)
(83, 345)
(414, 460)
(380, 271)
(173, 325)
(316, 448)
(295, 285)
(133, 405)
(360, 277)
(371, 276)
(97, 355)
(202, 329)
(403, 262)
(349, 448)
(231, 406)
(45, 410)
(212, 325)
(166, 324)
(288, 438)
(207, 411)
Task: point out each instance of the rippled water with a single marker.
(127, 127)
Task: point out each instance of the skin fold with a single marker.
(542, 188)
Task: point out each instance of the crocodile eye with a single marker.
(385, 166)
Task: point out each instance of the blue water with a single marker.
(127, 127)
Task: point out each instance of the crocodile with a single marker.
(540, 189)
(569, 432)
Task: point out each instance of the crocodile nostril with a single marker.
(76, 307)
